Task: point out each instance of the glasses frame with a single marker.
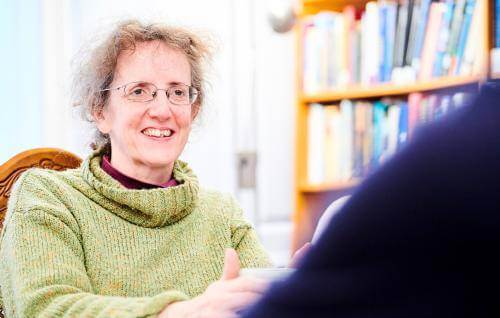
(154, 93)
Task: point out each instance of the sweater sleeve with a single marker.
(245, 241)
(43, 273)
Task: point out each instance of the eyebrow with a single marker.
(168, 84)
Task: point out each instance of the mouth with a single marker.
(157, 133)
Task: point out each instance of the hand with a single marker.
(299, 255)
(224, 298)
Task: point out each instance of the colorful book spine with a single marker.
(464, 32)
(456, 24)
(436, 12)
(497, 23)
(420, 33)
(444, 36)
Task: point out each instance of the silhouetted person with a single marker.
(419, 238)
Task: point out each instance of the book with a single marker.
(429, 49)
(371, 44)
(352, 46)
(332, 139)
(379, 132)
(458, 14)
(464, 32)
(412, 27)
(420, 34)
(346, 139)
(403, 124)
(393, 133)
(471, 63)
(399, 38)
(497, 23)
(315, 142)
(444, 36)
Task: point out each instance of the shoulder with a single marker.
(37, 188)
(37, 198)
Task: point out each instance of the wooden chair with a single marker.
(47, 158)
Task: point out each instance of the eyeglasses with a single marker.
(178, 94)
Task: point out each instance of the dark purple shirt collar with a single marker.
(131, 183)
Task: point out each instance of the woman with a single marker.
(130, 233)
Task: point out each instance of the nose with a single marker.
(160, 106)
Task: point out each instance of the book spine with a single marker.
(420, 34)
(316, 141)
(414, 25)
(458, 15)
(469, 10)
(431, 40)
(497, 23)
(444, 35)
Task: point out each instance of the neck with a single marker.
(141, 171)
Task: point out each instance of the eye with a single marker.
(179, 92)
(138, 92)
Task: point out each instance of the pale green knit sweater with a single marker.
(77, 243)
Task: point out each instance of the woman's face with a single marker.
(147, 136)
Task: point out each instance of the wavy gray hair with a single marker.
(98, 66)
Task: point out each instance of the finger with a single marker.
(231, 265)
(299, 255)
(247, 284)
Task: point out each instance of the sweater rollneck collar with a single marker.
(146, 207)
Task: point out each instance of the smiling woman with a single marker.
(130, 233)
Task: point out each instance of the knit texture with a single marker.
(77, 243)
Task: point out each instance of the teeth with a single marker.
(157, 132)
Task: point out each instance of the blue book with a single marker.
(444, 36)
(403, 125)
(464, 32)
(497, 23)
(382, 15)
(379, 132)
(389, 39)
(419, 37)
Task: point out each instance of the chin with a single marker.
(160, 160)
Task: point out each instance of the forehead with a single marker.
(153, 62)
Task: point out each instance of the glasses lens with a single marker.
(140, 91)
(182, 94)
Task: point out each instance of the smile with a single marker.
(158, 133)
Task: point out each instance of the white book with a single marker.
(311, 61)
(316, 144)
(371, 44)
(346, 139)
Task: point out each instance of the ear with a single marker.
(101, 119)
(195, 109)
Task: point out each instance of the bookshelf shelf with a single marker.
(381, 90)
(314, 6)
(328, 187)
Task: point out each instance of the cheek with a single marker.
(184, 119)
